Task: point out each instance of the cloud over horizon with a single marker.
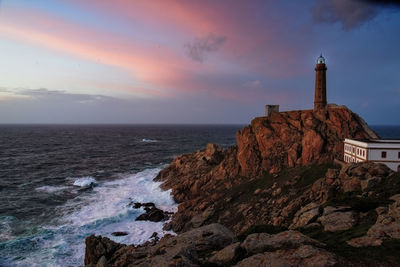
(191, 61)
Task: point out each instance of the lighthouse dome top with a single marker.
(321, 60)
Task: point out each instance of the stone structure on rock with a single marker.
(320, 84)
(269, 109)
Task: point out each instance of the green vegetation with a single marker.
(387, 254)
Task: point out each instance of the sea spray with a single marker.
(102, 211)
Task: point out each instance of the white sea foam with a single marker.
(5, 228)
(52, 189)
(102, 211)
(144, 140)
(86, 181)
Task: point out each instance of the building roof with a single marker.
(374, 143)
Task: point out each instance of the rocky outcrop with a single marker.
(294, 138)
(338, 218)
(285, 139)
(214, 244)
(387, 226)
(280, 175)
(183, 250)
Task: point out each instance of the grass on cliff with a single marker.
(291, 180)
(385, 255)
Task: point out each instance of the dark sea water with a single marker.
(59, 184)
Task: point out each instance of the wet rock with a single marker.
(96, 247)
(119, 233)
(153, 214)
(138, 205)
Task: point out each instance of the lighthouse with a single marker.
(320, 84)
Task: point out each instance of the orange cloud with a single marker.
(155, 66)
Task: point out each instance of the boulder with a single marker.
(305, 215)
(338, 218)
(98, 246)
(304, 255)
(153, 214)
(260, 242)
(362, 176)
(226, 255)
(387, 225)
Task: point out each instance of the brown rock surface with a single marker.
(387, 226)
(338, 218)
(269, 144)
(304, 255)
(183, 249)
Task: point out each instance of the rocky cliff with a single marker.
(282, 197)
(266, 146)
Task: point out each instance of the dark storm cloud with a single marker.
(350, 13)
(200, 47)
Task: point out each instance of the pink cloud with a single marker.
(252, 45)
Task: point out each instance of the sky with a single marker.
(178, 61)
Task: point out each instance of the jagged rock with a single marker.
(387, 225)
(304, 255)
(226, 255)
(331, 176)
(138, 205)
(305, 215)
(213, 154)
(362, 176)
(338, 218)
(102, 262)
(370, 183)
(297, 138)
(260, 242)
(181, 250)
(199, 220)
(96, 247)
(153, 214)
(285, 139)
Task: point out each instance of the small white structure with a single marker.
(378, 150)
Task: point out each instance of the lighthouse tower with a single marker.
(320, 84)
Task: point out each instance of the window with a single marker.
(383, 154)
(398, 155)
(398, 167)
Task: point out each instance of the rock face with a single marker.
(181, 250)
(387, 226)
(297, 138)
(236, 205)
(213, 244)
(285, 139)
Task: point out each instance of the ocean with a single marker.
(62, 183)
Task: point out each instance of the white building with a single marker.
(378, 150)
